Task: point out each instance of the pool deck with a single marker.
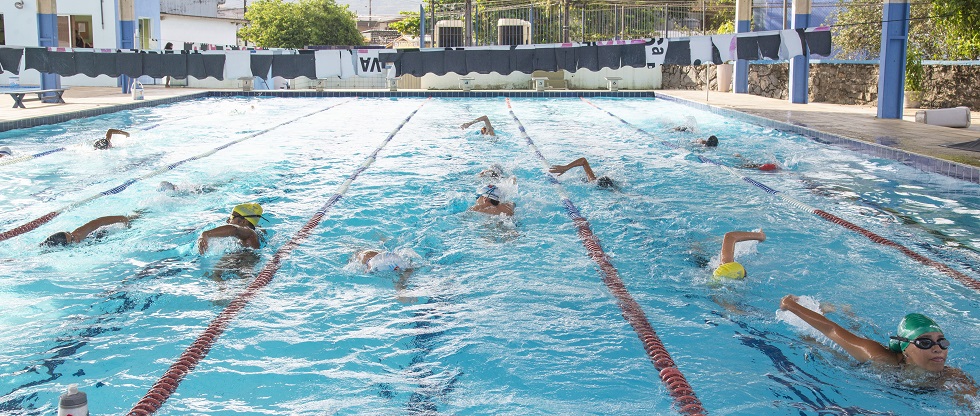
(856, 124)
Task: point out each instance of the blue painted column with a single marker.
(799, 67)
(47, 36)
(891, 64)
(127, 36)
(743, 24)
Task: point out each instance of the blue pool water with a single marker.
(501, 316)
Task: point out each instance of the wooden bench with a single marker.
(19, 99)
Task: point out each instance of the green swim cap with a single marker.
(731, 270)
(912, 327)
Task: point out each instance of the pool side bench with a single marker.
(19, 99)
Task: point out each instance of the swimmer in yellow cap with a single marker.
(920, 346)
(241, 224)
(729, 269)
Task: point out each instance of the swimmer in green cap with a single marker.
(919, 345)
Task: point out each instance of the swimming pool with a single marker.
(511, 316)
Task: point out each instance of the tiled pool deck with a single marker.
(853, 127)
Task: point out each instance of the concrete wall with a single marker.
(180, 29)
(584, 79)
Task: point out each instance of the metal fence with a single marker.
(565, 22)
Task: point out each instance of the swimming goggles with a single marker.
(924, 343)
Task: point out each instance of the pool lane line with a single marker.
(168, 383)
(34, 224)
(684, 398)
(960, 277)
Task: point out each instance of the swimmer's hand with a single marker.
(558, 169)
(465, 125)
(202, 244)
(788, 302)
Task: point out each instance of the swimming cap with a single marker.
(5, 151)
(166, 186)
(712, 141)
(768, 167)
(387, 261)
(731, 270)
(605, 182)
(912, 327)
(102, 144)
(251, 211)
(56, 239)
(490, 191)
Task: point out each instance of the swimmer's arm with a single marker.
(961, 384)
(732, 237)
(81, 232)
(862, 349)
(110, 132)
(559, 169)
(247, 236)
(486, 123)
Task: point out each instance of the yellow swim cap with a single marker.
(250, 210)
(731, 270)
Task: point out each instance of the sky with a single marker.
(379, 8)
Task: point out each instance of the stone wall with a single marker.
(944, 85)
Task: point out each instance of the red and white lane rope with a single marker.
(684, 398)
(35, 223)
(962, 278)
(167, 385)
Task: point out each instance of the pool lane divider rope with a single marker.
(168, 383)
(955, 274)
(34, 224)
(684, 398)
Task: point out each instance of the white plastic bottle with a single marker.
(73, 402)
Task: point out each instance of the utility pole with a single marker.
(564, 22)
(469, 22)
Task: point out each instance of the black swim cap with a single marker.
(56, 239)
(605, 182)
(712, 141)
(102, 144)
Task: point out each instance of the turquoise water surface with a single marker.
(501, 315)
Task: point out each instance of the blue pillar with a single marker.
(799, 66)
(891, 66)
(743, 24)
(127, 36)
(422, 26)
(47, 36)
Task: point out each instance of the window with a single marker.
(75, 31)
(143, 42)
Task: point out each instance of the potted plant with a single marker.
(913, 79)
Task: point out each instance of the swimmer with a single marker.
(240, 224)
(388, 261)
(486, 130)
(166, 187)
(602, 181)
(920, 345)
(104, 143)
(729, 268)
(488, 202)
(765, 167)
(65, 238)
(711, 141)
(5, 151)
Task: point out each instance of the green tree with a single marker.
(409, 25)
(933, 30)
(277, 24)
(961, 20)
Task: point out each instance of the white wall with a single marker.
(180, 29)
(20, 27)
(583, 79)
